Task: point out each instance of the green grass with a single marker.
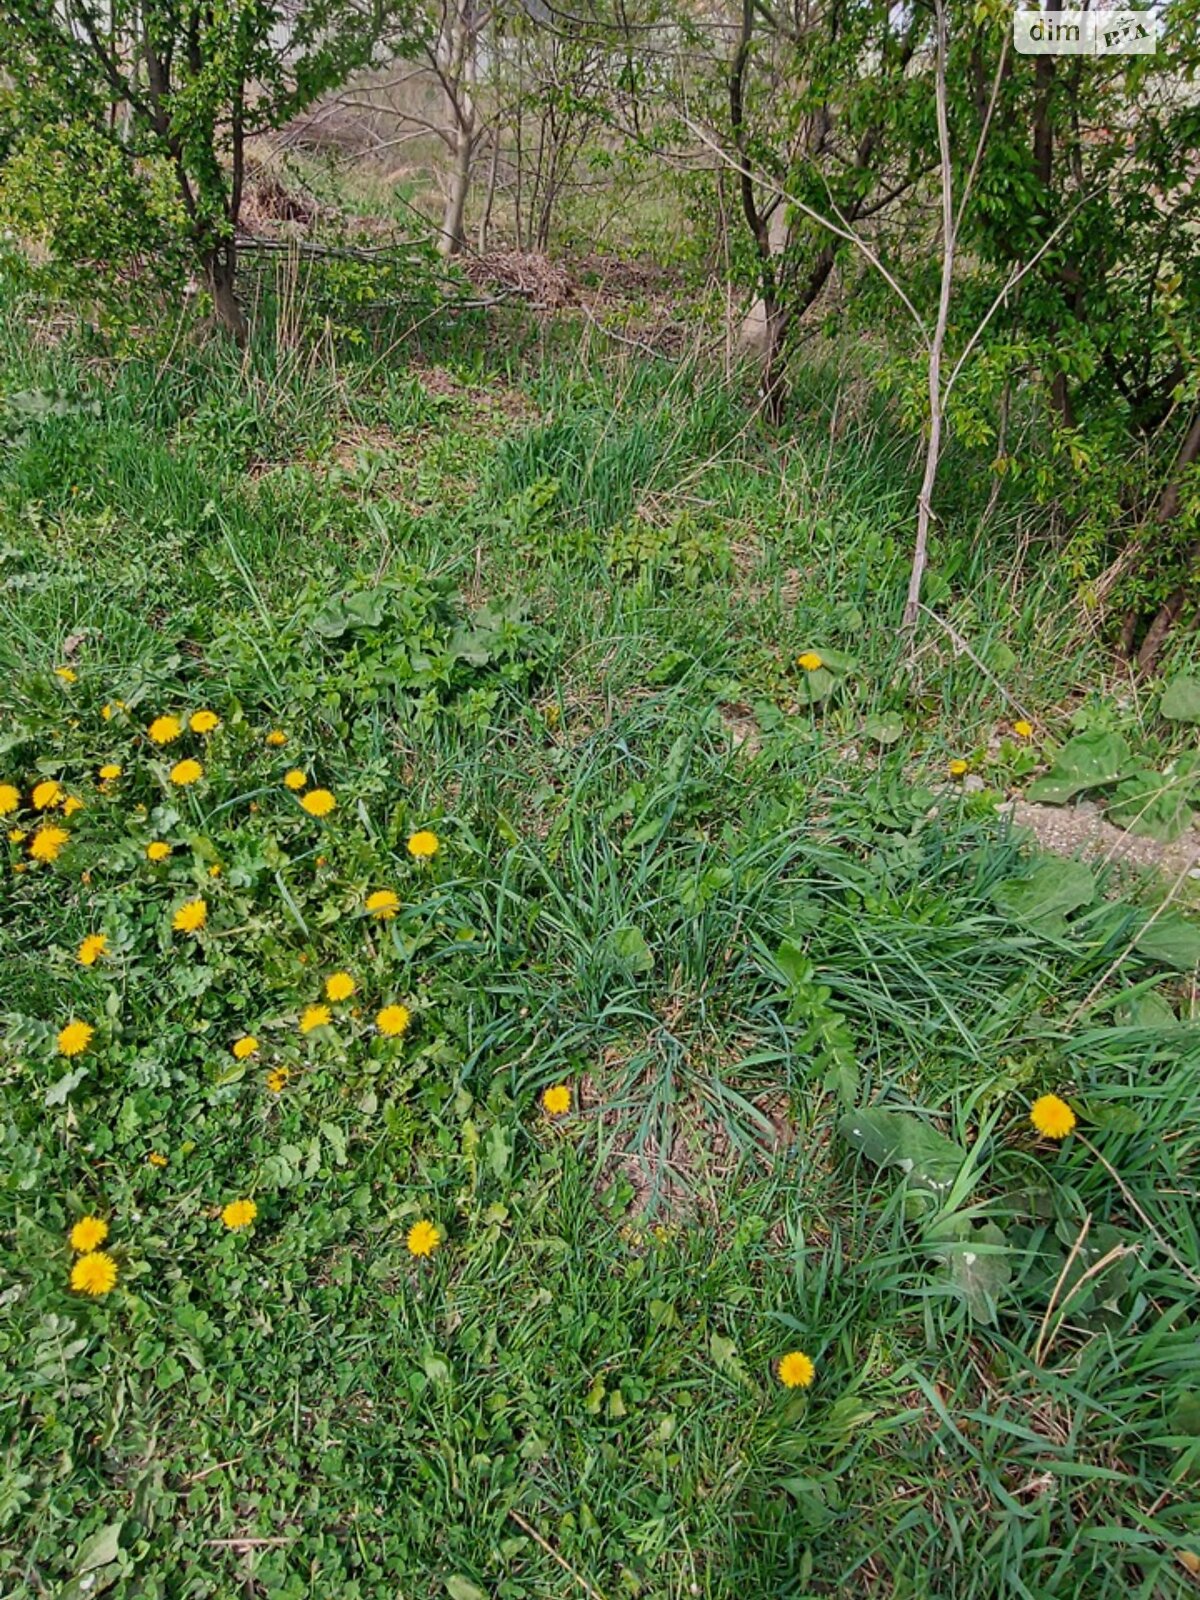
(553, 613)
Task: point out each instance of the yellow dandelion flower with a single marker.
(295, 779)
(556, 1100)
(239, 1214)
(89, 1233)
(74, 1039)
(383, 904)
(215, 870)
(20, 866)
(796, 1370)
(71, 805)
(67, 674)
(156, 1158)
(318, 802)
(185, 772)
(422, 846)
(244, 1047)
(276, 738)
(203, 721)
(158, 850)
(315, 1017)
(109, 771)
(190, 917)
(277, 1078)
(47, 843)
(1052, 1117)
(106, 711)
(94, 1274)
(339, 986)
(46, 795)
(165, 730)
(10, 799)
(810, 661)
(423, 1238)
(393, 1021)
(92, 948)
(17, 836)
(1023, 729)
(957, 767)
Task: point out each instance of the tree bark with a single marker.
(774, 316)
(485, 220)
(220, 267)
(456, 51)
(454, 239)
(912, 603)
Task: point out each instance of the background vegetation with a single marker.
(513, 539)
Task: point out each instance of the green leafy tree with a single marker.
(126, 89)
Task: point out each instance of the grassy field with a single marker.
(800, 986)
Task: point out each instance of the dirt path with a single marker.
(1083, 830)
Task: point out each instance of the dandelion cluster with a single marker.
(94, 1271)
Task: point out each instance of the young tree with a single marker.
(186, 83)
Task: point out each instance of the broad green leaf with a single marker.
(836, 661)
(630, 948)
(1090, 761)
(898, 1139)
(498, 1147)
(792, 961)
(335, 1137)
(459, 1588)
(57, 1093)
(725, 1356)
(813, 687)
(1181, 699)
(1151, 805)
(102, 1547)
(1152, 1010)
(979, 1265)
(1044, 898)
(845, 1081)
(885, 727)
(1185, 1416)
(1171, 939)
(437, 1368)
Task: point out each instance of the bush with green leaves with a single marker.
(114, 97)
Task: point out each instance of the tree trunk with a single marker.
(457, 70)
(912, 604)
(220, 268)
(485, 220)
(454, 238)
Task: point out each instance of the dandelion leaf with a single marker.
(459, 1588)
(1044, 898)
(1151, 805)
(885, 727)
(816, 686)
(1171, 939)
(978, 1266)
(897, 1139)
(1093, 760)
(629, 949)
(1181, 699)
